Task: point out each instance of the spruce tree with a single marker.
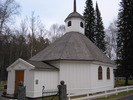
(99, 30)
(89, 20)
(125, 39)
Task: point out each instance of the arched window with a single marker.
(69, 23)
(81, 24)
(100, 77)
(108, 73)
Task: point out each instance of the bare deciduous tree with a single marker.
(56, 31)
(8, 8)
(111, 44)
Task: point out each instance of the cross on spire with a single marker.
(74, 5)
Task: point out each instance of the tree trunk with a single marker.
(126, 80)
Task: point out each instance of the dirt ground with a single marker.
(2, 98)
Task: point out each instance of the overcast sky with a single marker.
(55, 11)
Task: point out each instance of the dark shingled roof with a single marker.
(72, 46)
(74, 15)
(42, 65)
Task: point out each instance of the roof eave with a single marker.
(45, 69)
(111, 62)
(73, 17)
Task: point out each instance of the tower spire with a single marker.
(74, 5)
(74, 21)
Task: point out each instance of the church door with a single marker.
(19, 76)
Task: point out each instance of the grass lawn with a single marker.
(122, 82)
(2, 86)
(112, 97)
(118, 84)
(48, 98)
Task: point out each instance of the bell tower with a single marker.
(74, 21)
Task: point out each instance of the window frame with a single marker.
(69, 23)
(81, 24)
(100, 73)
(108, 73)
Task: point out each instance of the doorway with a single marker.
(19, 76)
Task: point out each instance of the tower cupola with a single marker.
(74, 21)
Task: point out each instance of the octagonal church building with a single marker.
(72, 58)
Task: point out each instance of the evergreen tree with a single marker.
(125, 39)
(99, 30)
(89, 20)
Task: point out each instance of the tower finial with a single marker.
(74, 5)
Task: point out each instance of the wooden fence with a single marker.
(92, 95)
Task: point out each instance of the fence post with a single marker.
(62, 91)
(43, 87)
(20, 93)
(116, 91)
(106, 93)
(69, 98)
(88, 96)
(127, 89)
